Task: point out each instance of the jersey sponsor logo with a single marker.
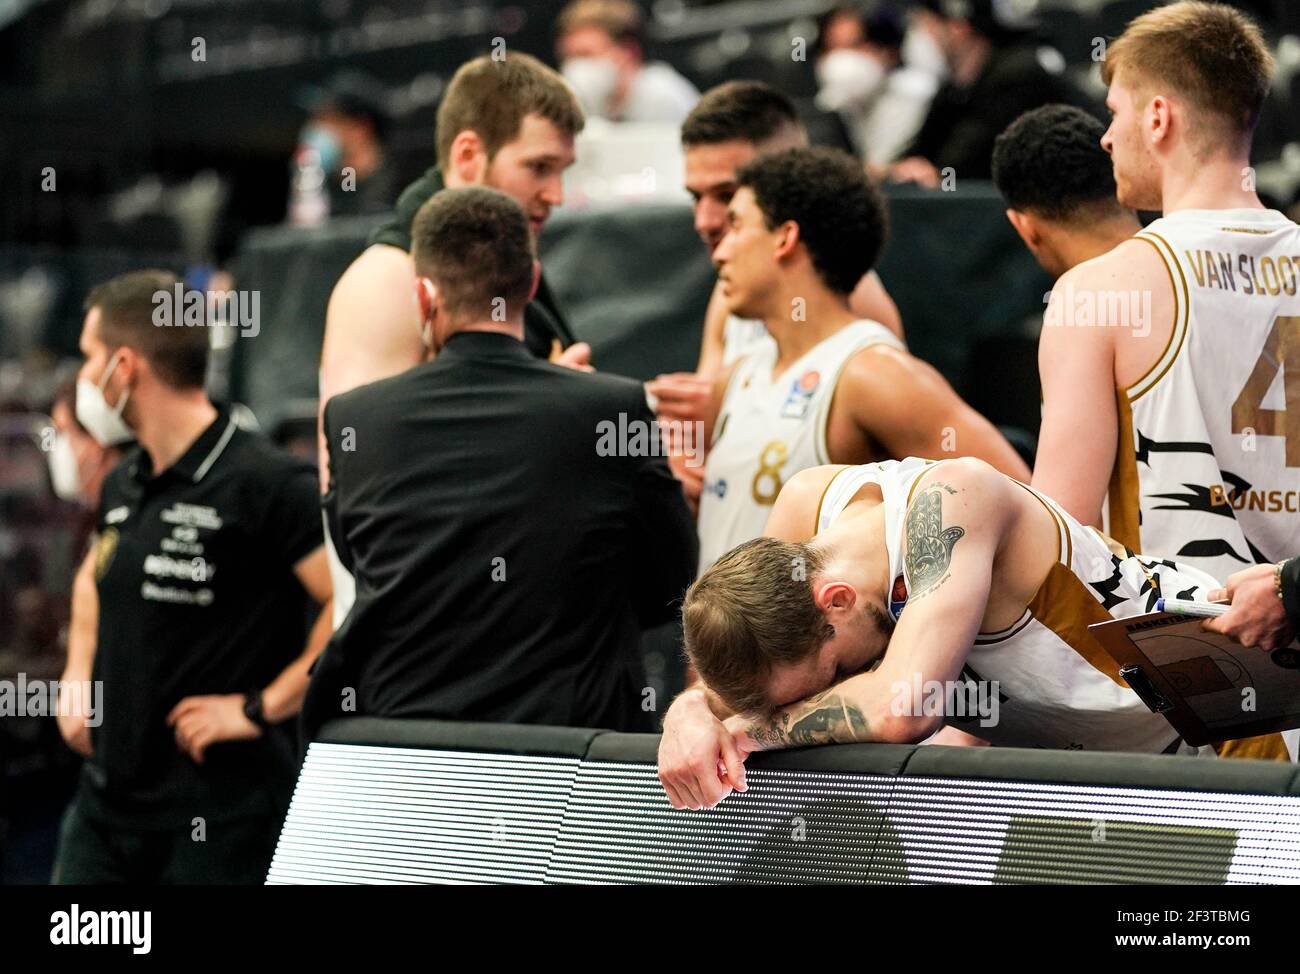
(800, 396)
(176, 596)
(117, 515)
(194, 569)
(194, 515)
(718, 487)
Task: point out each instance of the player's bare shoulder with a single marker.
(951, 501)
(794, 515)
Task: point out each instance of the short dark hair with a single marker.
(1049, 161)
(739, 111)
(475, 245)
(127, 305)
(841, 215)
(492, 97)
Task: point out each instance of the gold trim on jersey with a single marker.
(1182, 314)
(1064, 543)
(1123, 495)
(817, 518)
(1269, 747)
(1002, 635)
(1064, 605)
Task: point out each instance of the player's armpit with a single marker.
(906, 406)
(1077, 441)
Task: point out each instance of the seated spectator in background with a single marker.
(997, 73)
(861, 75)
(803, 228)
(600, 45)
(347, 129)
(505, 561)
(1059, 187)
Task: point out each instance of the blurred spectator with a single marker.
(600, 45)
(861, 75)
(997, 71)
(340, 166)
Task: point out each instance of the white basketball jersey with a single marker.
(1208, 465)
(769, 429)
(740, 336)
(1057, 688)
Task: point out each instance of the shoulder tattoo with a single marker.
(929, 543)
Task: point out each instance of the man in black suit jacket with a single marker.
(505, 557)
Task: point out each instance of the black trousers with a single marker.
(91, 852)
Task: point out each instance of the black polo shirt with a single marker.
(197, 595)
(543, 322)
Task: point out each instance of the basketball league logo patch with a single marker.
(800, 396)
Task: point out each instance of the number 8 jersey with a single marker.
(768, 429)
(1207, 468)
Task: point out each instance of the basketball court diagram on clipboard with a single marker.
(1207, 686)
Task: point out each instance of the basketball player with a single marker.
(1176, 414)
(1059, 189)
(874, 580)
(804, 226)
(730, 125)
(1173, 415)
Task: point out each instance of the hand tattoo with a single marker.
(929, 543)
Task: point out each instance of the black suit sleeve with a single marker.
(663, 534)
(1291, 593)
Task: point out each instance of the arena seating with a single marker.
(384, 801)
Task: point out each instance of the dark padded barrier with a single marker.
(415, 801)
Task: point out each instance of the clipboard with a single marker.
(1202, 682)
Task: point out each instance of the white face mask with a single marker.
(921, 51)
(593, 80)
(848, 80)
(102, 421)
(65, 475)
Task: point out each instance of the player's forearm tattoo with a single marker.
(827, 718)
(929, 543)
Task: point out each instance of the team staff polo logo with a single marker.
(105, 548)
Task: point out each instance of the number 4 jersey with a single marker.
(768, 429)
(1208, 466)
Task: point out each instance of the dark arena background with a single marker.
(483, 646)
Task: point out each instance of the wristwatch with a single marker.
(253, 709)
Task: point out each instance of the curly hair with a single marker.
(841, 215)
(1050, 161)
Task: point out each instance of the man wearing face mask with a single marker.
(996, 72)
(600, 46)
(187, 613)
(862, 76)
(344, 136)
(508, 533)
(78, 463)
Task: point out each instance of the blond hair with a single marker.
(1210, 54)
